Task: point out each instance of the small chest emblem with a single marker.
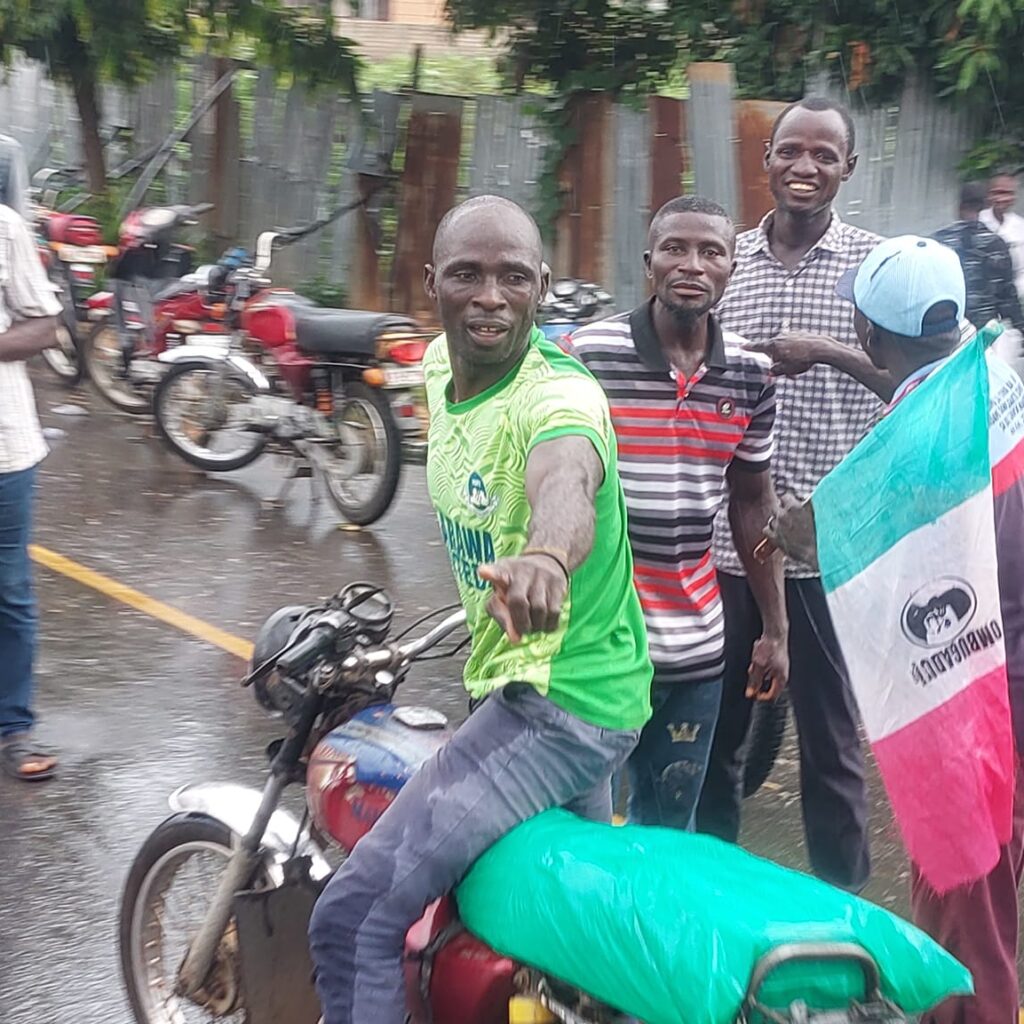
(726, 408)
(477, 497)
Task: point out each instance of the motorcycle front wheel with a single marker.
(169, 887)
(64, 358)
(104, 362)
(361, 468)
(199, 411)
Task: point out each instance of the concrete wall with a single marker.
(379, 40)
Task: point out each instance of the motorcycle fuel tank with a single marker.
(356, 770)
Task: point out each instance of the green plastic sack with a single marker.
(667, 925)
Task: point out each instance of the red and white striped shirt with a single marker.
(676, 440)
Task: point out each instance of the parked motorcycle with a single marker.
(569, 304)
(216, 905)
(322, 384)
(72, 250)
(154, 301)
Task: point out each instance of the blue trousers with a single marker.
(17, 604)
(666, 770)
(518, 754)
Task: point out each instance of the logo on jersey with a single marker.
(477, 497)
(726, 408)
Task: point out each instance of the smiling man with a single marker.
(692, 409)
(782, 296)
(522, 474)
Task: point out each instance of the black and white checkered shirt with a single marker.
(822, 414)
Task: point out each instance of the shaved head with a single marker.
(490, 208)
(487, 279)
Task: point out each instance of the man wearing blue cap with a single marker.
(909, 300)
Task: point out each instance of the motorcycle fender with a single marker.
(207, 355)
(235, 806)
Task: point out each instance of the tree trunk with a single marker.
(83, 85)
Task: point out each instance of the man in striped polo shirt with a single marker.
(692, 409)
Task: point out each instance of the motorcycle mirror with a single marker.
(264, 250)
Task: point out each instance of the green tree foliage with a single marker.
(971, 50)
(83, 42)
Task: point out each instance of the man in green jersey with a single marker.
(521, 471)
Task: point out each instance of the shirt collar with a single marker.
(835, 238)
(916, 378)
(648, 348)
(967, 334)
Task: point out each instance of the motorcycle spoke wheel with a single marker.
(204, 413)
(361, 467)
(105, 363)
(63, 357)
(169, 909)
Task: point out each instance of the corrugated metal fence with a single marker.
(290, 156)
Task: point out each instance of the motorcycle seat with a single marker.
(344, 331)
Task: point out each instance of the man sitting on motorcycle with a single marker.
(522, 473)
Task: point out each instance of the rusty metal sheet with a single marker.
(583, 176)
(668, 149)
(429, 182)
(754, 119)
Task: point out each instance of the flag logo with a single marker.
(939, 612)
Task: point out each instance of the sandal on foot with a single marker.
(20, 760)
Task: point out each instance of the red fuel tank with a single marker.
(464, 981)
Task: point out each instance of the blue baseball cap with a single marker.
(901, 279)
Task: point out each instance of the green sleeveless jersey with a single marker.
(595, 665)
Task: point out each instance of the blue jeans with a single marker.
(666, 770)
(518, 754)
(17, 605)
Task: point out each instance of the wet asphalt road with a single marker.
(137, 708)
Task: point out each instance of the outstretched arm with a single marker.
(795, 352)
(562, 479)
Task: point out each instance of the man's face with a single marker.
(1002, 194)
(690, 262)
(808, 161)
(487, 283)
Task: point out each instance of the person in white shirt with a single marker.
(1001, 218)
(28, 322)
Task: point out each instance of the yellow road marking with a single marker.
(141, 602)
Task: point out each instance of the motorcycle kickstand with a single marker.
(301, 469)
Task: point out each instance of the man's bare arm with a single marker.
(562, 480)
(27, 338)
(795, 352)
(751, 504)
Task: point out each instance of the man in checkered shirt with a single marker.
(783, 296)
(28, 311)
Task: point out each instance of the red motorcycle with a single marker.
(72, 251)
(217, 902)
(155, 301)
(337, 388)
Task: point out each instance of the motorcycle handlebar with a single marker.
(320, 638)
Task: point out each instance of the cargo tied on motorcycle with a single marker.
(562, 919)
